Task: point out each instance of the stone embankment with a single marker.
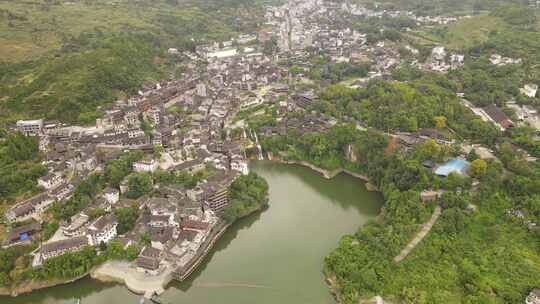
(328, 174)
(138, 282)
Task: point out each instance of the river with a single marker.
(275, 256)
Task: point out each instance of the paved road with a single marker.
(420, 236)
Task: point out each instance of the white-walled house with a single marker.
(50, 181)
(111, 195)
(103, 229)
(145, 166)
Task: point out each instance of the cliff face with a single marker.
(350, 155)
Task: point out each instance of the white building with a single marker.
(438, 53)
(533, 297)
(50, 181)
(149, 165)
(76, 227)
(53, 249)
(529, 90)
(201, 89)
(222, 53)
(240, 164)
(111, 195)
(102, 229)
(135, 132)
(154, 116)
(30, 127)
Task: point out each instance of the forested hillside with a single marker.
(66, 58)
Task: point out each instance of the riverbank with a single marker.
(330, 278)
(328, 174)
(138, 282)
(29, 286)
(149, 285)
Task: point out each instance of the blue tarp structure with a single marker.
(23, 237)
(454, 165)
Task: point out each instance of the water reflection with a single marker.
(338, 190)
(274, 256)
(221, 244)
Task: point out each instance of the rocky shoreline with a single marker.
(29, 286)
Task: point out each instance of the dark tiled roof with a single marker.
(65, 244)
(495, 113)
(187, 235)
(197, 225)
(147, 263)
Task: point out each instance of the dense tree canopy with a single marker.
(246, 194)
(139, 184)
(19, 165)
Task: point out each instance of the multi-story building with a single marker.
(30, 127)
(111, 195)
(533, 297)
(135, 132)
(154, 116)
(77, 225)
(50, 181)
(145, 165)
(29, 208)
(57, 248)
(238, 163)
(148, 260)
(103, 229)
(215, 190)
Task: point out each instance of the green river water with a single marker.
(275, 256)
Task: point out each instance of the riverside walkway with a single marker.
(420, 236)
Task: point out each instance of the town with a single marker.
(197, 127)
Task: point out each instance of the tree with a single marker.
(49, 229)
(478, 168)
(117, 169)
(430, 149)
(472, 155)
(270, 46)
(115, 251)
(139, 184)
(157, 151)
(440, 122)
(246, 193)
(454, 181)
(145, 239)
(126, 218)
(132, 252)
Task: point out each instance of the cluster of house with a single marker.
(491, 114)
(377, 12)
(297, 26)
(407, 140)
(534, 296)
(188, 120)
(177, 226)
(522, 217)
(441, 61)
(499, 60)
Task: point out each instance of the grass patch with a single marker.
(463, 34)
